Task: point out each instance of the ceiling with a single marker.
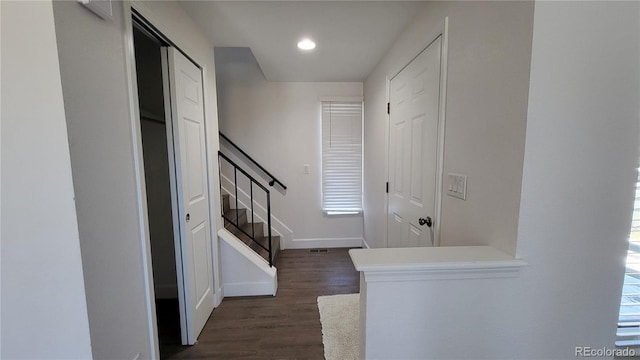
(351, 36)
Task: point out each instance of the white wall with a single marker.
(97, 106)
(245, 273)
(438, 311)
(488, 70)
(44, 310)
(278, 124)
(579, 174)
(96, 92)
(580, 161)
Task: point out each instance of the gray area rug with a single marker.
(340, 319)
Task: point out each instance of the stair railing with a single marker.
(273, 178)
(252, 181)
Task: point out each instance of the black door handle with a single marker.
(427, 221)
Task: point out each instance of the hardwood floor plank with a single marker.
(286, 326)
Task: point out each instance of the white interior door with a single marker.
(193, 249)
(414, 97)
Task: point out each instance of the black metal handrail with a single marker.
(273, 178)
(252, 181)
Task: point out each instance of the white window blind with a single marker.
(629, 319)
(342, 157)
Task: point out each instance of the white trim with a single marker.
(441, 130)
(249, 289)
(442, 30)
(449, 274)
(141, 194)
(342, 212)
(387, 144)
(325, 243)
(435, 263)
(219, 295)
(365, 245)
(342, 98)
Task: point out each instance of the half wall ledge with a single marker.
(424, 263)
(416, 303)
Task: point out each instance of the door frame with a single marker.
(441, 30)
(136, 8)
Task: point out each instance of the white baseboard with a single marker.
(365, 245)
(324, 243)
(218, 296)
(249, 289)
(166, 291)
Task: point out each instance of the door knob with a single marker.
(188, 217)
(425, 221)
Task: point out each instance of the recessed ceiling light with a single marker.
(306, 44)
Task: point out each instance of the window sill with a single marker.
(342, 212)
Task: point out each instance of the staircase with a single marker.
(237, 222)
(240, 222)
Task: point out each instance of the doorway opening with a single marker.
(176, 183)
(156, 152)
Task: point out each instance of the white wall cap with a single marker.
(429, 263)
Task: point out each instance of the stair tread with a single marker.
(233, 212)
(230, 217)
(262, 239)
(259, 230)
(246, 227)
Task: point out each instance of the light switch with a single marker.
(457, 186)
(306, 169)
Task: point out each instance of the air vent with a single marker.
(318, 250)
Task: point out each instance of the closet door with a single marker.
(193, 249)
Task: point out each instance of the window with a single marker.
(629, 319)
(342, 157)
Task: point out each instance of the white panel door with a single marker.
(414, 97)
(193, 251)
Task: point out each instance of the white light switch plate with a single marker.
(457, 186)
(306, 169)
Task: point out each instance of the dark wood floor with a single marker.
(286, 326)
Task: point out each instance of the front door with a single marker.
(193, 245)
(414, 97)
